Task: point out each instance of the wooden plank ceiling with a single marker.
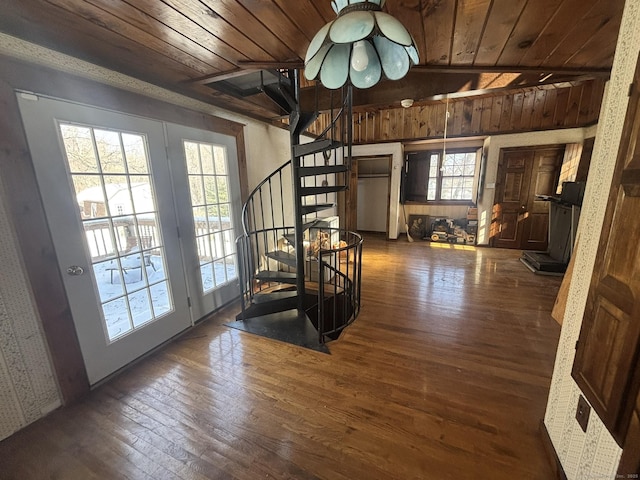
(191, 46)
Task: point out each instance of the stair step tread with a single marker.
(304, 191)
(260, 298)
(306, 209)
(321, 170)
(291, 237)
(283, 257)
(276, 276)
(316, 146)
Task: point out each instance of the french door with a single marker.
(106, 183)
(207, 190)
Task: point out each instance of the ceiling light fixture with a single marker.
(362, 45)
(407, 102)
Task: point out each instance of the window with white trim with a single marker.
(432, 177)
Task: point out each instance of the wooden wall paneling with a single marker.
(385, 127)
(476, 116)
(392, 126)
(467, 116)
(325, 11)
(485, 123)
(167, 38)
(274, 17)
(187, 19)
(585, 29)
(527, 109)
(439, 21)
(371, 122)
(229, 21)
(549, 108)
(601, 46)
(304, 15)
(596, 100)
(556, 29)
(538, 109)
(94, 15)
(532, 20)
(516, 110)
(439, 118)
(502, 16)
(585, 102)
(417, 126)
(469, 27)
(407, 121)
(562, 102)
(573, 108)
(505, 116)
(407, 12)
(496, 112)
(71, 34)
(457, 117)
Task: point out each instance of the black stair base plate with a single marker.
(289, 326)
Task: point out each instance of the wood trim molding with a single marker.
(554, 460)
(25, 206)
(25, 203)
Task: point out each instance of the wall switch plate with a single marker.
(582, 413)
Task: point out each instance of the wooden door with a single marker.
(606, 366)
(520, 219)
(348, 199)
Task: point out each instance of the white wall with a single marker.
(593, 454)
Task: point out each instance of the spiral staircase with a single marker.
(300, 274)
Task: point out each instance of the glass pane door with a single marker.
(110, 173)
(206, 178)
(106, 185)
(211, 207)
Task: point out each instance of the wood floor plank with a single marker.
(444, 374)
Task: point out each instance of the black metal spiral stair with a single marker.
(299, 275)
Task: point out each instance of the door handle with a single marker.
(75, 270)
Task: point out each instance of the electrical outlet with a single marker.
(582, 413)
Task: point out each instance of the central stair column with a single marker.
(294, 120)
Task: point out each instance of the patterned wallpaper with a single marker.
(28, 389)
(594, 454)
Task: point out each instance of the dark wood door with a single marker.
(606, 365)
(348, 199)
(520, 220)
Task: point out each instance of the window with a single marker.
(430, 177)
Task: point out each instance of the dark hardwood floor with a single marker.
(444, 375)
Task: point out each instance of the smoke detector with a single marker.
(407, 102)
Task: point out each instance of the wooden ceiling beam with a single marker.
(424, 86)
(592, 72)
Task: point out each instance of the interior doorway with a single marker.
(364, 206)
(520, 217)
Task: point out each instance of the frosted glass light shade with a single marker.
(384, 47)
